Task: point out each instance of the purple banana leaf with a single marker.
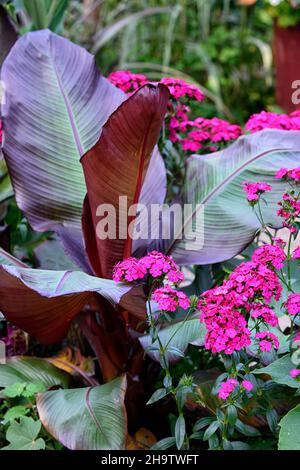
(56, 103)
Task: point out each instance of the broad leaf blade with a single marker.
(179, 336)
(117, 166)
(31, 370)
(289, 436)
(279, 370)
(43, 303)
(86, 418)
(214, 182)
(56, 103)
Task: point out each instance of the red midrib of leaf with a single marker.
(138, 188)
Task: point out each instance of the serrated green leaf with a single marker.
(24, 435)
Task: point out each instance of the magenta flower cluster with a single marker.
(229, 385)
(271, 255)
(201, 133)
(154, 264)
(170, 299)
(161, 268)
(267, 120)
(293, 304)
(248, 290)
(255, 190)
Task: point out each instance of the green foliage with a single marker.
(279, 371)
(289, 436)
(23, 435)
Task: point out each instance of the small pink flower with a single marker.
(271, 255)
(180, 89)
(169, 299)
(226, 388)
(294, 373)
(293, 304)
(267, 340)
(247, 385)
(255, 190)
(129, 270)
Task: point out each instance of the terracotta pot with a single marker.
(286, 48)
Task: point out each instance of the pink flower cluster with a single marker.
(295, 373)
(271, 255)
(130, 82)
(229, 385)
(181, 89)
(265, 313)
(293, 304)
(268, 120)
(254, 281)
(159, 265)
(226, 388)
(249, 289)
(169, 299)
(127, 81)
(267, 340)
(154, 263)
(255, 190)
(292, 174)
(207, 134)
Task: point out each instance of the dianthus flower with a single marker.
(181, 89)
(293, 304)
(254, 281)
(265, 313)
(295, 373)
(268, 120)
(169, 299)
(271, 255)
(159, 265)
(296, 253)
(127, 81)
(226, 388)
(129, 270)
(247, 385)
(267, 340)
(206, 132)
(227, 331)
(255, 190)
(292, 174)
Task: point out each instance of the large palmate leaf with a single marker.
(56, 103)
(177, 336)
(43, 303)
(214, 182)
(289, 436)
(8, 35)
(32, 370)
(86, 418)
(117, 166)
